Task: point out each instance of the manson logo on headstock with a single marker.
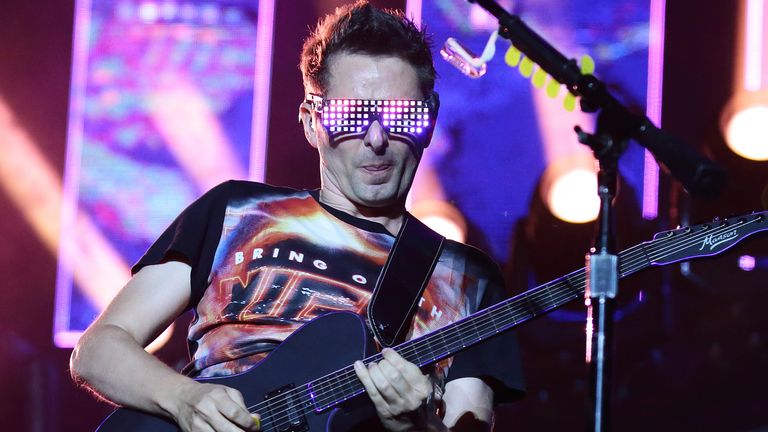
(713, 240)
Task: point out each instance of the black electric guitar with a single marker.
(304, 383)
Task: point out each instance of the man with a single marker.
(256, 262)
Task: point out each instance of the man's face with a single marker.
(376, 170)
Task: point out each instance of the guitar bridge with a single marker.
(286, 410)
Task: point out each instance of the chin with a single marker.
(379, 200)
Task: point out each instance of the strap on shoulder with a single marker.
(402, 280)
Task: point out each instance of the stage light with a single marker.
(747, 262)
(442, 217)
(744, 120)
(168, 11)
(745, 125)
(149, 12)
(210, 14)
(569, 189)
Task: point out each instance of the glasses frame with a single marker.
(415, 128)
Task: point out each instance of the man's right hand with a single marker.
(110, 357)
(212, 407)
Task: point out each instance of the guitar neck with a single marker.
(666, 248)
(433, 347)
(510, 313)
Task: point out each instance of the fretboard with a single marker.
(666, 247)
(335, 388)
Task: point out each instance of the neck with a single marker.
(391, 217)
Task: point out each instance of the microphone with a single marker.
(455, 53)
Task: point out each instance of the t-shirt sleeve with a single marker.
(496, 360)
(187, 238)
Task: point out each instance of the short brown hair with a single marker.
(360, 28)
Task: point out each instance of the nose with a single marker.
(376, 138)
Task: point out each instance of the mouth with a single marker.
(376, 168)
(377, 173)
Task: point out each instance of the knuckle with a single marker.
(198, 423)
(392, 374)
(200, 405)
(385, 387)
(229, 410)
(235, 393)
(218, 391)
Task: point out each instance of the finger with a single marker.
(240, 416)
(230, 418)
(363, 374)
(398, 393)
(409, 373)
(219, 413)
(221, 423)
(406, 368)
(386, 377)
(211, 420)
(201, 426)
(405, 377)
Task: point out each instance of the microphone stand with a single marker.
(615, 126)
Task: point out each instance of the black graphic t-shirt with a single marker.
(267, 260)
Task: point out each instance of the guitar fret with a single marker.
(443, 343)
(410, 354)
(633, 257)
(454, 334)
(519, 309)
(537, 306)
(430, 351)
(493, 321)
(490, 330)
(575, 286)
(281, 412)
(417, 358)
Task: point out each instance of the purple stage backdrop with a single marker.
(167, 100)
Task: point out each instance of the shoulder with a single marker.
(246, 187)
(237, 190)
(474, 260)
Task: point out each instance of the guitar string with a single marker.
(633, 260)
(412, 347)
(691, 240)
(348, 372)
(280, 416)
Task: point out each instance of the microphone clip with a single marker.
(471, 65)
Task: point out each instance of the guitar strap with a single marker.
(403, 279)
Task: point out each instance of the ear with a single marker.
(307, 120)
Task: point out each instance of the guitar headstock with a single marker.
(514, 58)
(704, 239)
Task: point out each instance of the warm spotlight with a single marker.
(442, 217)
(569, 188)
(745, 126)
(744, 121)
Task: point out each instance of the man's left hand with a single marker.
(399, 392)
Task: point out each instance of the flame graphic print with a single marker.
(282, 260)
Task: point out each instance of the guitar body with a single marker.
(312, 367)
(322, 346)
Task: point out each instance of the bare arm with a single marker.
(110, 357)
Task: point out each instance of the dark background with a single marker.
(691, 355)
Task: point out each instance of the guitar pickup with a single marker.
(286, 410)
